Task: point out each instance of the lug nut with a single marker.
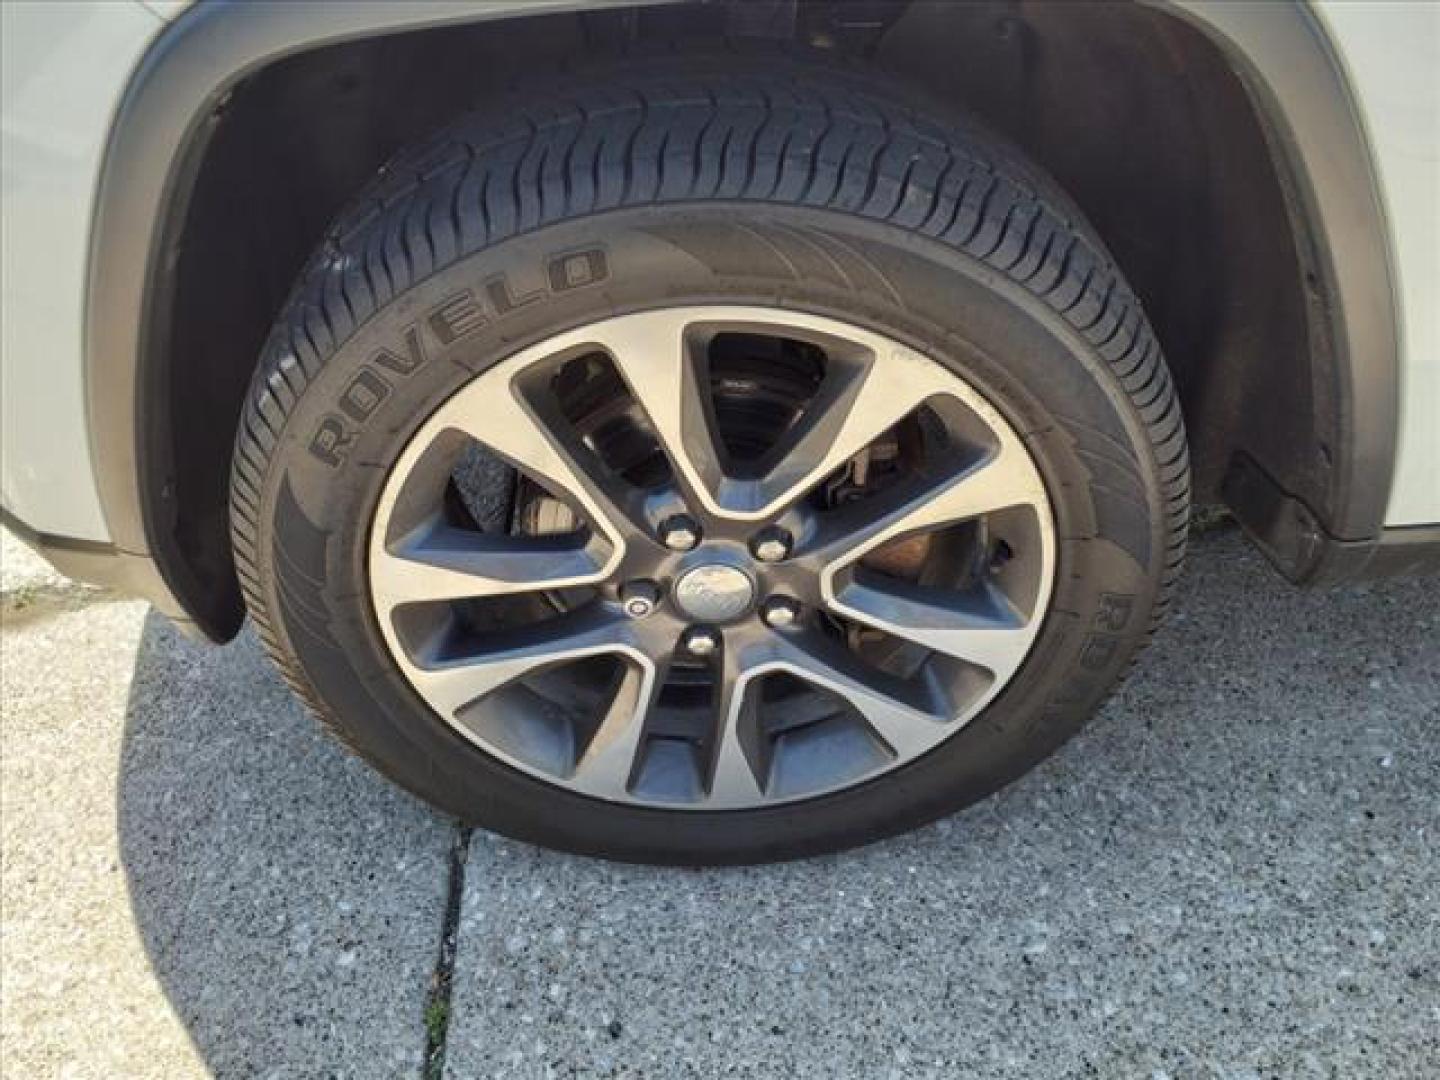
(680, 532)
(770, 544)
(701, 641)
(779, 611)
(639, 598)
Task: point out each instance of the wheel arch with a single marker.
(1324, 162)
(197, 74)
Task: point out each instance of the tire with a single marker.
(790, 188)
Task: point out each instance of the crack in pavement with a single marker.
(437, 1001)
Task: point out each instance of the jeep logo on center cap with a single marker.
(715, 593)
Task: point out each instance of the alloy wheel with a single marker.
(712, 557)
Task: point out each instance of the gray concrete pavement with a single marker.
(78, 992)
(1233, 873)
(195, 880)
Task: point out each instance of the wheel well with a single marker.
(1137, 115)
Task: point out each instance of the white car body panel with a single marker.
(1392, 54)
(66, 67)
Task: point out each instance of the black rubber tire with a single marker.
(699, 181)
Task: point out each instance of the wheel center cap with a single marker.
(714, 592)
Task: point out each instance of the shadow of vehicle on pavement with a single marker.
(289, 898)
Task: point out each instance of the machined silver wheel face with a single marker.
(716, 558)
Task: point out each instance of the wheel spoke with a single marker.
(655, 360)
(979, 626)
(858, 402)
(533, 438)
(445, 563)
(861, 398)
(606, 765)
(1003, 479)
(898, 710)
(453, 682)
(739, 764)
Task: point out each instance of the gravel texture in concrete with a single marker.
(1233, 873)
(197, 881)
(78, 993)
